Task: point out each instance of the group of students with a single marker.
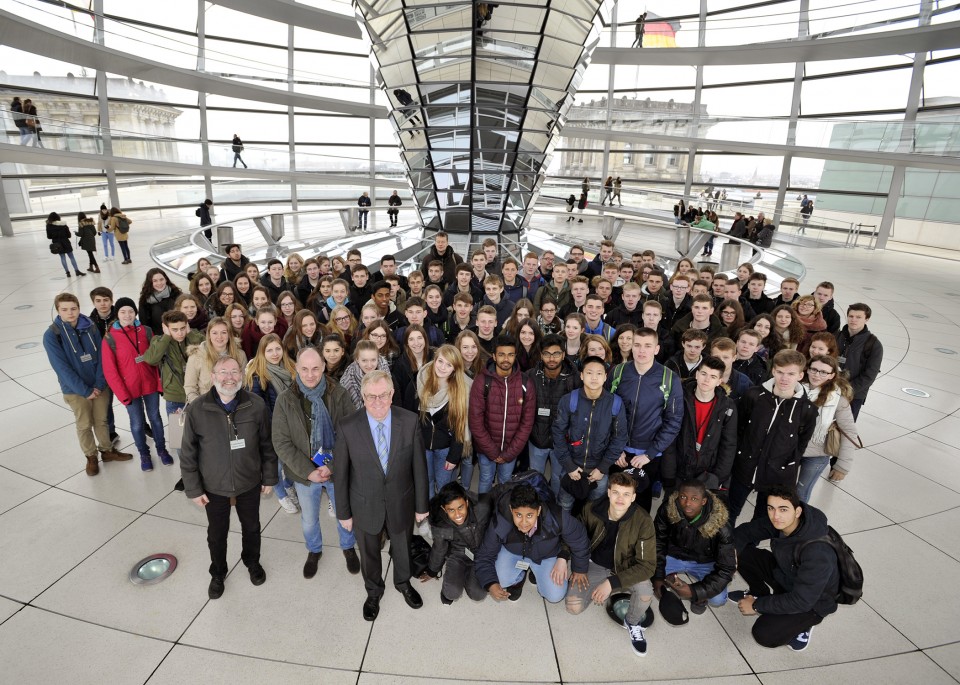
(624, 381)
(111, 225)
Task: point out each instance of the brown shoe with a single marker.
(93, 465)
(114, 455)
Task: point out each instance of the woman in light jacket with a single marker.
(106, 234)
(831, 393)
(119, 220)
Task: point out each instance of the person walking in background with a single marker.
(640, 28)
(617, 187)
(203, 211)
(120, 226)
(608, 191)
(60, 244)
(106, 234)
(87, 234)
(237, 148)
(32, 123)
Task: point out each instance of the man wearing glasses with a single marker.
(227, 453)
(380, 472)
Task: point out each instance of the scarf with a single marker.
(436, 402)
(157, 297)
(813, 323)
(321, 432)
(826, 415)
(280, 378)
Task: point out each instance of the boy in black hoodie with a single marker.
(792, 590)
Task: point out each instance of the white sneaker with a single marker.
(288, 506)
(292, 496)
(330, 511)
(637, 639)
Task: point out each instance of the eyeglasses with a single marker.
(345, 317)
(819, 372)
(383, 397)
(227, 374)
(378, 336)
(552, 355)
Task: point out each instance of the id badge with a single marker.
(543, 411)
(699, 446)
(138, 359)
(523, 565)
(468, 553)
(86, 357)
(322, 457)
(238, 444)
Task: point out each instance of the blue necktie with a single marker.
(382, 450)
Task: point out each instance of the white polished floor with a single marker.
(68, 614)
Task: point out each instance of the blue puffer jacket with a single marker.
(651, 426)
(601, 435)
(66, 346)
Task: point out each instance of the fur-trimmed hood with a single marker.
(716, 515)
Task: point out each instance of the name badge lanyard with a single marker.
(135, 341)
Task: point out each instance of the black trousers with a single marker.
(458, 575)
(371, 563)
(218, 526)
(757, 566)
(738, 498)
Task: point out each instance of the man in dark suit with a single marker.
(380, 466)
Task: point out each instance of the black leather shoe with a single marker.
(310, 566)
(215, 591)
(353, 561)
(371, 609)
(411, 596)
(257, 575)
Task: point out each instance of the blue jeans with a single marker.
(539, 456)
(436, 474)
(566, 500)
(280, 489)
(151, 404)
(489, 470)
(108, 242)
(73, 260)
(309, 496)
(810, 470)
(508, 574)
(698, 572)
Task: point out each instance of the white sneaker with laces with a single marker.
(288, 506)
(292, 495)
(330, 511)
(637, 639)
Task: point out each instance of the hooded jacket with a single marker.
(710, 464)
(810, 586)
(708, 539)
(59, 234)
(754, 368)
(772, 435)
(171, 358)
(549, 392)
(449, 260)
(558, 534)
(128, 378)
(449, 538)
(501, 422)
(87, 232)
(634, 552)
(590, 437)
(74, 354)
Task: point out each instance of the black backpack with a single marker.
(501, 493)
(419, 556)
(851, 575)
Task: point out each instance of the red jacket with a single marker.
(128, 379)
(251, 336)
(501, 425)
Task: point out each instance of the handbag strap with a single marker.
(858, 444)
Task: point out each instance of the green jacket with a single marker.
(562, 297)
(291, 426)
(171, 357)
(635, 554)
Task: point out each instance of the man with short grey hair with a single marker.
(380, 474)
(227, 453)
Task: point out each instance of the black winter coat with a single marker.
(58, 233)
(87, 232)
(810, 586)
(754, 368)
(709, 539)
(861, 368)
(450, 539)
(601, 435)
(712, 463)
(549, 393)
(770, 453)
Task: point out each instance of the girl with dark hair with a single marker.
(334, 353)
(414, 354)
(305, 331)
(622, 344)
(379, 332)
(772, 342)
(787, 325)
(528, 350)
(106, 234)
(731, 316)
(60, 244)
(157, 296)
(87, 233)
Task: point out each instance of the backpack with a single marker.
(666, 383)
(197, 212)
(851, 575)
(501, 493)
(112, 344)
(419, 555)
(122, 224)
(575, 400)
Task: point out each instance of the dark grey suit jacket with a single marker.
(364, 493)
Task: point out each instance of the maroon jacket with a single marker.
(501, 424)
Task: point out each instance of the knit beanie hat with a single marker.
(126, 302)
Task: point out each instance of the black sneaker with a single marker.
(179, 486)
(637, 639)
(801, 641)
(515, 591)
(444, 601)
(736, 595)
(532, 578)
(114, 436)
(698, 607)
(257, 575)
(148, 430)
